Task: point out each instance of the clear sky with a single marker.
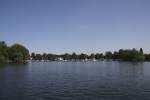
(59, 26)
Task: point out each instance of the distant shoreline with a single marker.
(18, 53)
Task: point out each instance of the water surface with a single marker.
(101, 80)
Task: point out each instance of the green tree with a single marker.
(38, 57)
(83, 56)
(108, 55)
(2, 58)
(44, 56)
(141, 56)
(18, 53)
(131, 55)
(18, 57)
(92, 56)
(141, 51)
(98, 56)
(74, 56)
(33, 55)
(3, 52)
(66, 56)
(115, 55)
(147, 57)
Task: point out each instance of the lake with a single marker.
(100, 80)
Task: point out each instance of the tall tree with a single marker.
(18, 53)
(3, 52)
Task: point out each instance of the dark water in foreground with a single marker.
(75, 81)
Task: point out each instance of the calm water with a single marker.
(102, 80)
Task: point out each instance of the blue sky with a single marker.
(59, 26)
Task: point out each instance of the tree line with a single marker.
(15, 53)
(19, 53)
(122, 54)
